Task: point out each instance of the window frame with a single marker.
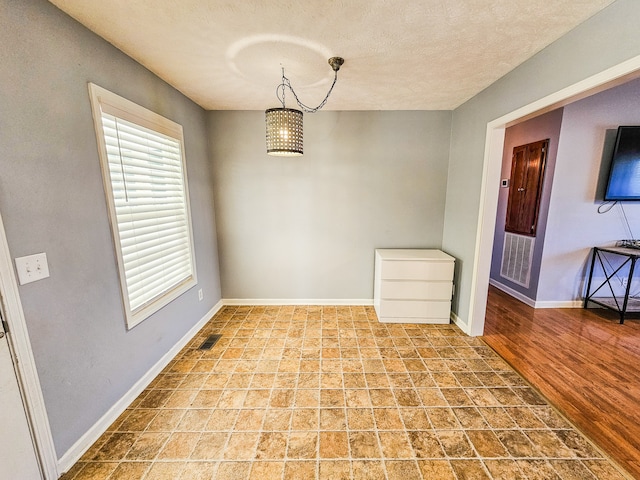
(103, 100)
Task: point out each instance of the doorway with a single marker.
(26, 437)
(494, 145)
(19, 458)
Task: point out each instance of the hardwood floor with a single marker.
(583, 361)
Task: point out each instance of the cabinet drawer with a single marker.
(415, 308)
(415, 290)
(416, 270)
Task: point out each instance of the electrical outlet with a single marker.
(623, 281)
(32, 268)
(200, 295)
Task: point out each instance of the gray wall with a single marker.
(307, 227)
(538, 128)
(52, 200)
(584, 155)
(604, 40)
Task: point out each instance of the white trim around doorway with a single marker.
(26, 367)
(492, 165)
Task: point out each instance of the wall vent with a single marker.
(517, 254)
(210, 342)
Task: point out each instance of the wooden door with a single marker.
(527, 175)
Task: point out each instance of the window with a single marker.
(145, 182)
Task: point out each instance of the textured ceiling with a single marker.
(399, 55)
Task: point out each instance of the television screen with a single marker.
(624, 174)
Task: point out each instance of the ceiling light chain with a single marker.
(286, 83)
(284, 125)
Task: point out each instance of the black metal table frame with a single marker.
(632, 256)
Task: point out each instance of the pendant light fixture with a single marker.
(284, 125)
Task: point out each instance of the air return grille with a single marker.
(210, 342)
(516, 258)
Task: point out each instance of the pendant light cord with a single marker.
(335, 62)
(286, 83)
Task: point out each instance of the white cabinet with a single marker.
(413, 286)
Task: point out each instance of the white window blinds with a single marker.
(146, 187)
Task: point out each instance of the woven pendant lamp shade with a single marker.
(284, 131)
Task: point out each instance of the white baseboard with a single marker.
(537, 303)
(513, 293)
(560, 304)
(297, 301)
(76, 451)
(462, 325)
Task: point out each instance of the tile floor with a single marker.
(328, 392)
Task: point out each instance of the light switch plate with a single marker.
(32, 268)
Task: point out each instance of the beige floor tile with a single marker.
(425, 444)
(301, 392)
(302, 445)
(403, 469)
(436, 469)
(95, 471)
(116, 447)
(307, 398)
(487, 444)
(388, 419)
(295, 470)
(272, 445)
(525, 417)
(395, 445)
(603, 469)
(333, 445)
(335, 469)
(571, 470)
(360, 419)
(497, 418)
(332, 419)
(166, 420)
(538, 470)
(266, 470)
(368, 469)
(547, 444)
(442, 418)
(130, 471)
(241, 446)
(517, 443)
(194, 420)
(364, 445)
(470, 418)
(137, 421)
(233, 470)
(179, 446)
(210, 446)
(165, 471)
(305, 419)
(455, 443)
(250, 420)
(277, 419)
(332, 398)
(199, 471)
(504, 470)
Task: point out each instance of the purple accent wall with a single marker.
(538, 128)
(574, 225)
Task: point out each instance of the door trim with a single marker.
(494, 145)
(26, 368)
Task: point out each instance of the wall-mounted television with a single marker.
(624, 173)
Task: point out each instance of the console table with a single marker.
(617, 302)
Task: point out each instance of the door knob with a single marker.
(1, 334)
